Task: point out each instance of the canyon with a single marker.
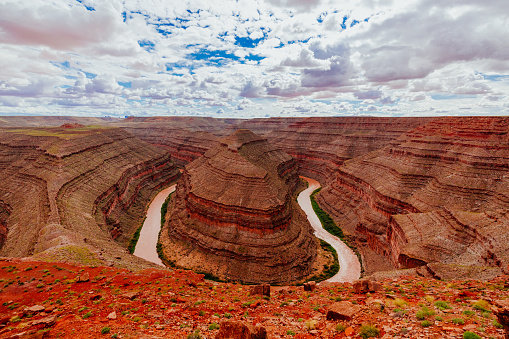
(428, 195)
(76, 193)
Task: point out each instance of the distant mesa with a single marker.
(72, 125)
(234, 215)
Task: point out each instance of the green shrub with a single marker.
(424, 313)
(426, 323)
(458, 321)
(290, 332)
(87, 315)
(468, 313)
(470, 335)
(482, 305)
(213, 326)
(327, 222)
(497, 324)
(105, 330)
(134, 240)
(195, 335)
(399, 302)
(201, 313)
(227, 315)
(442, 305)
(340, 327)
(331, 270)
(368, 331)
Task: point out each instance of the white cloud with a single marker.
(254, 57)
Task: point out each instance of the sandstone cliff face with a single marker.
(76, 187)
(437, 194)
(322, 145)
(233, 215)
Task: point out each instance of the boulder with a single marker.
(502, 313)
(33, 310)
(82, 278)
(365, 286)
(47, 321)
(309, 286)
(240, 330)
(343, 310)
(260, 290)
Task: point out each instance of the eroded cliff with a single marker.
(76, 188)
(234, 215)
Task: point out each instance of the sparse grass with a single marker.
(399, 302)
(458, 321)
(340, 328)
(368, 331)
(195, 335)
(471, 335)
(482, 305)
(424, 313)
(442, 305)
(426, 323)
(87, 315)
(105, 330)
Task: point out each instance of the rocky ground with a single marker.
(58, 300)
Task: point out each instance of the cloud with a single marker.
(254, 57)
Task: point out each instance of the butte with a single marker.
(234, 215)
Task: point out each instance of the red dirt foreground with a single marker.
(57, 300)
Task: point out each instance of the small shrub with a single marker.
(426, 323)
(442, 305)
(213, 326)
(399, 302)
(290, 332)
(368, 331)
(424, 313)
(310, 325)
(195, 335)
(105, 330)
(227, 315)
(458, 321)
(468, 313)
(87, 315)
(470, 335)
(482, 305)
(340, 328)
(15, 319)
(497, 324)
(201, 313)
(429, 298)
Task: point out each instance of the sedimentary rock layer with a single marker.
(75, 186)
(233, 214)
(437, 194)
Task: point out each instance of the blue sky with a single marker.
(247, 58)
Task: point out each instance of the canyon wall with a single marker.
(82, 187)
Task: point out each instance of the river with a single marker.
(349, 266)
(146, 246)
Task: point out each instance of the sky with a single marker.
(254, 58)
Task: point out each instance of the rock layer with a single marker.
(437, 194)
(234, 216)
(81, 187)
